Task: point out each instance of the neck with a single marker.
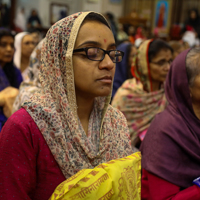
(85, 106)
(196, 108)
(2, 64)
(155, 86)
(24, 63)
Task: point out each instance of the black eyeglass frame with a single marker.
(105, 52)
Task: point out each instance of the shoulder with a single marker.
(20, 122)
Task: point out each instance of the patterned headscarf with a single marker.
(54, 108)
(32, 83)
(136, 99)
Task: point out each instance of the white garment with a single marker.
(18, 50)
(190, 38)
(20, 20)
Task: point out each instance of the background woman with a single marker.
(10, 76)
(68, 125)
(32, 84)
(142, 97)
(171, 148)
(24, 45)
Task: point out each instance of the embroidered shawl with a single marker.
(54, 110)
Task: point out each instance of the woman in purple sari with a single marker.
(10, 76)
(171, 148)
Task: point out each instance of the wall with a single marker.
(43, 7)
(116, 8)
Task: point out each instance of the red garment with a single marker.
(28, 169)
(155, 188)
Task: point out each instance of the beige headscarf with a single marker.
(136, 99)
(54, 108)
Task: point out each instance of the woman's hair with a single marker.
(129, 48)
(156, 46)
(175, 45)
(192, 65)
(96, 17)
(9, 69)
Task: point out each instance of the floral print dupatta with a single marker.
(54, 108)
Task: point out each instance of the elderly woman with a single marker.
(24, 45)
(142, 97)
(171, 148)
(68, 125)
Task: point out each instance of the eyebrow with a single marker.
(96, 43)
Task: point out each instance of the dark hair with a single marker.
(129, 48)
(96, 17)
(9, 69)
(156, 46)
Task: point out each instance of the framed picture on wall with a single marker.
(162, 17)
(57, 12)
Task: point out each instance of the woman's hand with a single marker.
(7, 98)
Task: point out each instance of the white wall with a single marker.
(28, 5)
(43, 7)
(115, 8)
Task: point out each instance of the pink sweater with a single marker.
(28, 169)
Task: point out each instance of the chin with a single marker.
(103, 93)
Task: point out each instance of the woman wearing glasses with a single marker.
(68, 125)
(142, 97)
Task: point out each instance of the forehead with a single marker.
(7, 39)
(27, 38)
(163, 54)
(94, 31)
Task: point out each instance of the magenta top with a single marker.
(23, 153)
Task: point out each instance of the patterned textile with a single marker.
(136, 99)
(31, 84)
(54, 109)
(116, 179)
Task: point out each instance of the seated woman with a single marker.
(24, 45)
(142, 97)
(123, 72)
(171, 149)
(68, 125)
(10, 76)
(32, 83)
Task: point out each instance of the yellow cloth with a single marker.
(116, 179)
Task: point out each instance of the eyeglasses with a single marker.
(162, 63)
(98, 54)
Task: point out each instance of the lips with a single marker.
(106, 79)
